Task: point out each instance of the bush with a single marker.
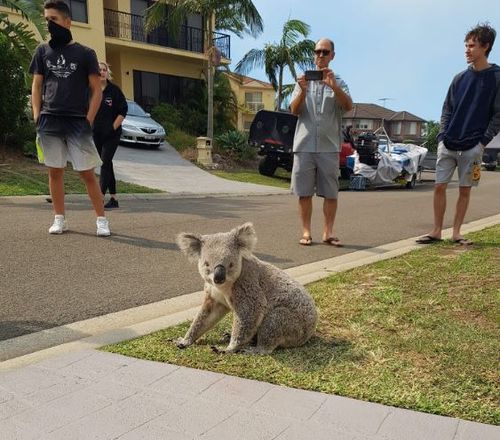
(431, 142)
(13, 98)
(180, 140)
(183, 117)
(235, 144)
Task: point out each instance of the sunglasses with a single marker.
(322, 52)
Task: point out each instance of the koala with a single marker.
(269, 307)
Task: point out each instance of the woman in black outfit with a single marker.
(107, 131)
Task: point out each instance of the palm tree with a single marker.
(237, 16)
(289, 52)
(22, 39)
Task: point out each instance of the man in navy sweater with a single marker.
(469, 120)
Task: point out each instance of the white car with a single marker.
(138, 128)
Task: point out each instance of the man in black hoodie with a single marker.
(469, 120)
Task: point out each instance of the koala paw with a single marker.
(217, 350)
(182, 343)
(225, 338)
(227, 350)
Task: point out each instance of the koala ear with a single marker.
(190, 244)
(245, 236)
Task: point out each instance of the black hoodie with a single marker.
(113, 104)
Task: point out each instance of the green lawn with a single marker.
(281, 179)
(420, 332)
(23, 176)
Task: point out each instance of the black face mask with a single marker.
(60, 36)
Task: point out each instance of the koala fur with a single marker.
(268, 305)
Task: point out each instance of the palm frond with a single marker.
(30, 10)
(293, 31)
(240, 17)
(253, 58)
(20, 37)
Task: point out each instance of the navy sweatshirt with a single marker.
(471, 110)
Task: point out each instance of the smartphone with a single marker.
(314, 75)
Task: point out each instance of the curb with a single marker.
(139, 321)
(151, 196)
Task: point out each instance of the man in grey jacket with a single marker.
(319, 106)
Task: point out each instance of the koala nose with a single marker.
(219, 274)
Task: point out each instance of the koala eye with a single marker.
(231, 265)
(206, 264)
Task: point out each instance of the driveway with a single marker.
(165, 169)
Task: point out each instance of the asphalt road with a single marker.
(47, 281)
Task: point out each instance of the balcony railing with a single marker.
(223, 43)
(254, 107)
(131, 27)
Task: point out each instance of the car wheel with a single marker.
(268, 165)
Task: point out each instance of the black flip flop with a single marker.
(428, 239)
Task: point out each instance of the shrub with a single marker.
(180, 140)
(13, 98)
(431, 142)
(235, 144)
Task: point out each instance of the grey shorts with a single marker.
(64, 139)
(468, 163)
(316, 173)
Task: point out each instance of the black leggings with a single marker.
(106, 146)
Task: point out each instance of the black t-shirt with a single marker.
(113, 104)
(65, 73)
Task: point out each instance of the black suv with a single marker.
(273, 132)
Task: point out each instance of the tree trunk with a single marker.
(280, 88)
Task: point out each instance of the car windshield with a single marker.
(135, 109)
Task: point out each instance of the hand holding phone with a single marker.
(314, 75)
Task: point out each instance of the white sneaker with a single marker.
(102, 227)
(59, 225)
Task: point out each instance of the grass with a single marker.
(281, 179)
(20, 176)
(418, 332)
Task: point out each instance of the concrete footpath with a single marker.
(95, 395)
(74, 392)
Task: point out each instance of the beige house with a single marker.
(252, 95)
(399, 126)
(150, 68)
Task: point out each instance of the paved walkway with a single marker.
(96, 395)
(165, 169)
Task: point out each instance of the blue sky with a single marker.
(407, 50)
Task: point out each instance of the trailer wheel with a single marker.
(268, 165)
(345, 173)
(412, 182)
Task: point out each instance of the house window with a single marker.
(78, 10)
(152, 88)
(396, 128)
(412, 128)
(253, 101)
(364, 124)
